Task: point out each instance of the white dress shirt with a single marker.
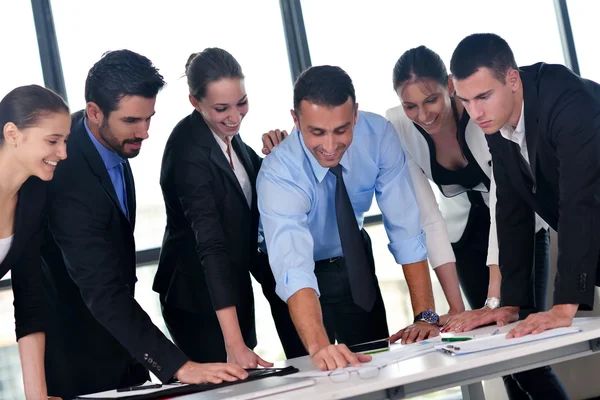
(238, 167)
(5, 247)
(517, 135)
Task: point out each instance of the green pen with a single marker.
(456, 339)
(375, 351)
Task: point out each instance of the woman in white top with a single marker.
(445, 147)
(35, 124)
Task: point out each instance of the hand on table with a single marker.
(416, 332)
(337, 356)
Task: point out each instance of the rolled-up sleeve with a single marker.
(396, 198)
(284, 208)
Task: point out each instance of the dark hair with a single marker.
(118, 74)
(482, 50)
(324, 85)
(210, 65)
(26, 105)
(417, 64)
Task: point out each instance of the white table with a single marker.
(436, 371)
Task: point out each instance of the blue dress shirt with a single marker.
(296, 199)
(114, 167)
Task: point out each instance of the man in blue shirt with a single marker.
(313, 191)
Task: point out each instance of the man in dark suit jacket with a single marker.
(101, 338)
(543, 127)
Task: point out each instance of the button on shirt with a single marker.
(238, 167)
(114, 167)
(296, 199)
(517, 135)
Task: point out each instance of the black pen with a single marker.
(132, 388)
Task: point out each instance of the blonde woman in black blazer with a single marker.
(35, 125)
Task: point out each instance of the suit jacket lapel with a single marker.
(84, 143)
(242, 153)
(205, 138)
(530, 99)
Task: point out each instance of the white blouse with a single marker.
(5, 247)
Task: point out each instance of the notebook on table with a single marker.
(236, 388)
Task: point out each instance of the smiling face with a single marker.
(126, 127)
(39, 148)
(490, 102)
(426, 103)
(224, 106)
(327, 131)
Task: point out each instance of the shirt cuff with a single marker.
(409, 251)
(492, 258)
(439, 249)
(295, 279)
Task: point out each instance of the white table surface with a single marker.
(436, 371)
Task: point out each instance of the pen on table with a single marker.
(456, 339)
(142, 387)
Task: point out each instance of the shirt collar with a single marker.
(220, 142)
(109, 157)
(509, 132)
(320, 171)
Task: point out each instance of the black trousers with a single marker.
(345, 321)
(199, 334)
(473, 275)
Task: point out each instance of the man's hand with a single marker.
(245, 358)
(416, 332)
(334, 356)
(195, 373)
(272, 139)
(501, 316)
(463, 318)
(560, 315)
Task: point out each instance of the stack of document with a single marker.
(396, 354)
(495, 341)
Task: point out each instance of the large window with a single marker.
(584, 20)
(367, 38)
(20, 63)
(167, 34)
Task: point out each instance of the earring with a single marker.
(15, 145)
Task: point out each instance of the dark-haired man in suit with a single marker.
(101, 338)
(543, 127)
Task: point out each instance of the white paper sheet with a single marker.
(491, 342)
(397, 353)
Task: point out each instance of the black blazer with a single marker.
(211, 234)
(23, 259)
(562, 128)
(90, 268)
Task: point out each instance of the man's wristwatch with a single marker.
(428, 316)
(492, 303)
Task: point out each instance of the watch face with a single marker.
(492, 303)
(430, 317)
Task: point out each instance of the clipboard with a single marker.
(179, 389)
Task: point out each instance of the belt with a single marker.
(329, 260)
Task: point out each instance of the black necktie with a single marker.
(362, 284)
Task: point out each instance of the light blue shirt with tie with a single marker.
(296, 199)
(114, 167)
